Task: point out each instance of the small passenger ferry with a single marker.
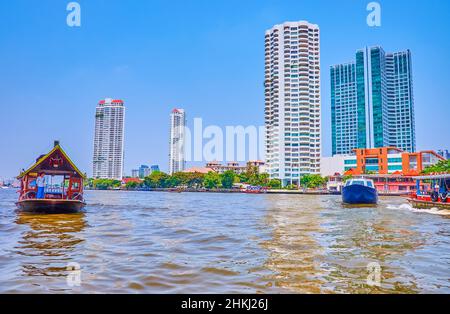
(432, 191)
(359, 191)
(63, 185)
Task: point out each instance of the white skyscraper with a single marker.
(177, 137)
(109, 139)
(292, 101)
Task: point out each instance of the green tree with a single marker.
(242, 177)
(312, 181)
(291, 187)
(442, 166)
(258, 179)
(275, 184)
(195, 179)
(251, 171)
(131, 185)
(100, 184)
(180, 178)
(172, 182)
(227, 179)
(116, 183)
(157, 179)
(105, 184)
(89, 183)
(212, 180)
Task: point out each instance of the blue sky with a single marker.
(204, 56)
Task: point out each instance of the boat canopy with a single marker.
(360, 181)
(434, 177)
(56, 162)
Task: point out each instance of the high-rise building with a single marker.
(372, 102)
(344, 110)
(109, 139)
(177, 137)
(144, 171)
(292, 101)
(135, 173)
(154, 168)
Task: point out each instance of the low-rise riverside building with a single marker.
(203, 170)
(384, 160)
(389, 160)
(236, 167)
(391, 168)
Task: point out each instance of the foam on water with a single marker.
(433, 211)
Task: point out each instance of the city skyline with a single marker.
(70, 84)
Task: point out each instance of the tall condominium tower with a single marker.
(292, 101)
(177, 137)
(109, 139)
(372, 102)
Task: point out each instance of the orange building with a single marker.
(389, 160)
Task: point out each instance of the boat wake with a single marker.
(433, 211)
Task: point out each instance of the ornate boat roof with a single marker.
(55, 162)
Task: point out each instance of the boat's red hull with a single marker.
(50, 206)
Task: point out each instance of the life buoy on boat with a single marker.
(29, 195)
(434, 197)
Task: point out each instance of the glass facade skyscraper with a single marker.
(344, 108)
(372, 102)
(401, 101)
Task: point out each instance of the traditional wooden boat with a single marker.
(432, 191)
(359, 191)
(64, 185)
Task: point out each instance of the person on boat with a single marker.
(40, 183)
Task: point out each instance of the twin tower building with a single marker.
(108, 161)
(372, 105)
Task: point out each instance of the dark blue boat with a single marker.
(359, 191)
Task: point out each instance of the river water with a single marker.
(155, 242)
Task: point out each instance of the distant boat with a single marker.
(64, 198)
(4, 187)
(255, 190)
(359, 191)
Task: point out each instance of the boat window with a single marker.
(358, 182)
(369, 184)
